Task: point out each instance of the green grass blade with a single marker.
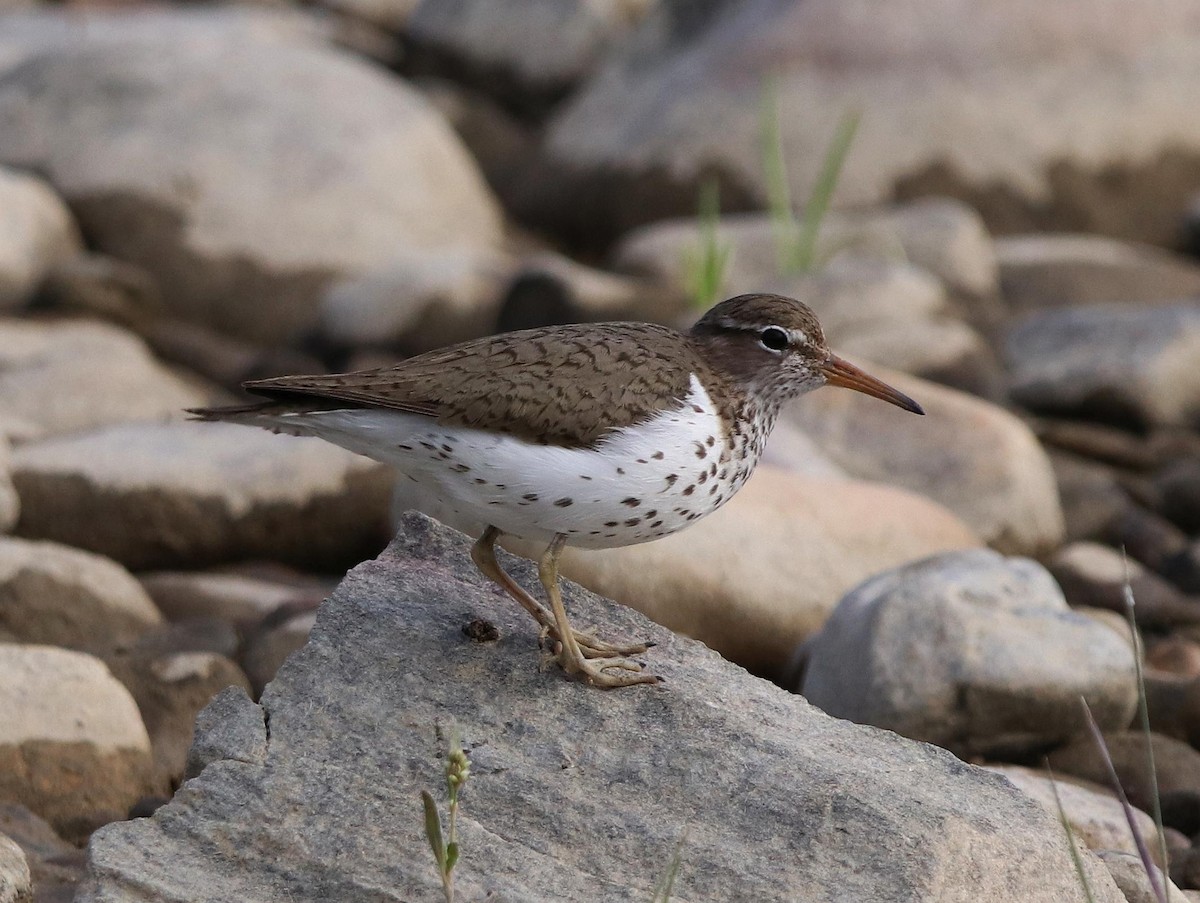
(779, 196)
(433, 830)
(666, 882)
(818, 202)
(1075, 857)
(707, 265)
(1144, 712)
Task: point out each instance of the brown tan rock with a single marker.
(60, 596)
(970, 455)
(72, 744)
(36, 230)
(763, 573)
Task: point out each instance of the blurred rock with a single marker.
(241, 599)
(268, 648)
(1095, 575)
(1179, 487)
(64, 377)
(195, 634)
(36, 231)
(55, 865)
(29, 33)
(356, 727)
(60, 596)
(1095, 815)
(390, 15)
(1177, 764)
(1185, 869)
(1056, 133)
(1174, 655)
(1183, 568)
(170, 690)
(940, 236)
(1151, 539)
(246, 174)
(1106, 444)
(1173, 702)
(419, 301)
(10, 503)
(1092, 498)
(72, 745)
(760, 575)
(169, 495)
(971, 651)
(1054, 270)
(99, 286)
(504, 47)
(1109, 362)
(16, 884)
(1129, 872)
(971, 456)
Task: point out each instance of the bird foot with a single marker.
(606, 673)
(591, 646)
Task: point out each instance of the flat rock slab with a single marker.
(575, 793)
(178, 494)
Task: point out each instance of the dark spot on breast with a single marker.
(671, 478)
(584, 476)
(701, 451)
(631, 502)
(703, 478)
(697, 409)
(690, 489)
(633, 521)
(642, 461)
(621, 471)
(443, 456)
(530, 496)
(564, 503)
(692, 516)
(710, 441)
(428, 446)
(712, 471)
(651, 513)
(480, 481)
(460, 468)
(715, 487)
(447, 448)
(611, 523)
(657, 523)
(405, 447)
(658, 456)
(501, 486)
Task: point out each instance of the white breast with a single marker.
(639, 483)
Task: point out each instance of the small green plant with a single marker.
(1075, 857)
(445, 846)
(666, 882)
(796, 242)
(706, 265)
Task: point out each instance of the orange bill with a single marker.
(842, 373)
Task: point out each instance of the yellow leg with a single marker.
(483, 553)
(600, 672)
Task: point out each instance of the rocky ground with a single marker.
(191, 197)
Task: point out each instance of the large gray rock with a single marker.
(64, 377)
(36, 231)
(970, 651)
(60, 596)
(575, 793)
(1110, 362)
(244, 174)
(1044, 108)
(972, 456)
(16, 885)
(508, 41)
(1047, 270)
(180, 494)
(10, 503)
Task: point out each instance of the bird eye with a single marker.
(773, 338)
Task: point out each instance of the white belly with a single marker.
(638, 484)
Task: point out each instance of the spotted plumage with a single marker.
(594, 435)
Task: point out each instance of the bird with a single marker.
(595, 435)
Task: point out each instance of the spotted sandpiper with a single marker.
(592, 435)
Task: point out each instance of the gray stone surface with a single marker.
(72, 375)
(1110, 362)
(36, 230)
(973, 652)
(575, 793)
(158, 495)
(1053, 116)
(16, 885)
(244, 174)
(1055, 270)
(10, 502)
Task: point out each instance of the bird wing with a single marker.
(563, 385)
